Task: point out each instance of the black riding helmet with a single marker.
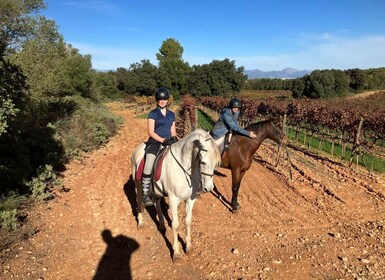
(235, 103)
(162, 94)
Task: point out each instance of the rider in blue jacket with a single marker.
(228, 122)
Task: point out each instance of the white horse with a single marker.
(188, 168)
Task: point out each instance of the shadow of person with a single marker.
(115, 262)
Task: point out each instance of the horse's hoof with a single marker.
(189, 251)
(236, 209)
(142, 225)
(177, 258)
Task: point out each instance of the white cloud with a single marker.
(329, 52)
(95, 6)
(112, 58)
(325, 52)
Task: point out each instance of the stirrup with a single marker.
(147, 200)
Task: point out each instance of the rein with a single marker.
(185, 171)
(274, 129)
(180, 165)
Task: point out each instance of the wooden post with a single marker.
(284, 127)
(358, 138)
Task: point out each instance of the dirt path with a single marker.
(327, 223)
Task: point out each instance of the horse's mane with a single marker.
(209, 142)
(258, 125)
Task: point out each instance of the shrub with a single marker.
(9, 206)
(41, 186)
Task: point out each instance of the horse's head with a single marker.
(208, 158)
(268, 129)
(277, 135)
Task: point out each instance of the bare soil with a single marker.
(326, 223)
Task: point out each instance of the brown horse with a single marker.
(239, 156)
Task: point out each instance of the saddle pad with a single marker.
(139, 172)
(158, 165)
(157, 170)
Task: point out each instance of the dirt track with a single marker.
(327, 223)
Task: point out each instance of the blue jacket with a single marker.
(227, 122)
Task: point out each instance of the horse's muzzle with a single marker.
(208, 189)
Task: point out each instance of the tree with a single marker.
(12, 93)
(17, 18)
(298, 87)
(319, 84)
(41, 58)
(341, 82)
(375, 78)
(73, 74)
(145, 76)
(173, 70)
(219, 78)
(142, 78)
(358, 79)
(104, 85)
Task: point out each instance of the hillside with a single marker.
(287, 73)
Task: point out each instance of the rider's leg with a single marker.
(146, 179)
(220, 143)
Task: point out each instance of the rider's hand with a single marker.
(252, 134)
(167, 142)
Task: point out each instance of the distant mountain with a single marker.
(287, 73)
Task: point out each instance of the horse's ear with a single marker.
(276, 120)
(197, 143)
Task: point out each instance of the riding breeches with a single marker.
(220, 143)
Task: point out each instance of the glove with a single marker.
(174, 139)
(167, 142)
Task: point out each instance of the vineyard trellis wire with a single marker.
(355, 126)
(354, 129)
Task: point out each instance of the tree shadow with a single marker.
(115, 262)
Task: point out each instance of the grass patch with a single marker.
(142, 116)
(204, 121)
(338, 151)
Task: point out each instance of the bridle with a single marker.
(202, 172)
(187, 174)
(274, 132)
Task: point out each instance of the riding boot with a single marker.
(146, 180)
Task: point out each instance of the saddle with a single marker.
(226, 142)
(157, 168)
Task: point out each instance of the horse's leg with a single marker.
(158, 203)
(189, 210)
(173, 204)
(139, 202)
(236, 178)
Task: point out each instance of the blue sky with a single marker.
(265, 35)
